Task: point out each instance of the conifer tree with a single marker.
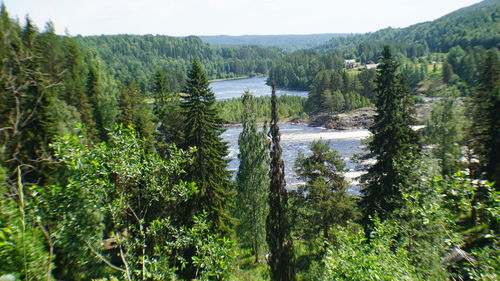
(74, 84)
(167, 114)
(202, 130)
(23, 101)
(282, 258)
(252, 180)
(394, 144)
(323, 200)
(102, 95)
(486, 119)
(134, 112)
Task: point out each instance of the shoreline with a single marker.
(236, 78)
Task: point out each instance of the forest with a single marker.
(140, 56)
(113, 166)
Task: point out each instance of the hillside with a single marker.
(140, 56)
(470, 26)
(288, 43)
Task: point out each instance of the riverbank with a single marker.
(358, 119)
(236, 78)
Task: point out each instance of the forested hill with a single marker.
(470, 26)
(288, 43)
(140, 56)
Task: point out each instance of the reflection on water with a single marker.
(229, 89)
(295, 138)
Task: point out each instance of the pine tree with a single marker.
(323, 200)
(394, 144)
(202, 130)
(252, 180)
(282, 258)
(486, 119)
(102, 95)
(167, 115)
(23, 100)
(135, 113)
(74, 84)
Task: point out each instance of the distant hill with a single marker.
(467, 27)
(287, 43)
(139, 56)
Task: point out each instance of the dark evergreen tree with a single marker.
(282, 257)
(75, 93)
(135, 113)
(323, 200)
(202, 130)
(486, 119)
(394, 144)
(252, 181)
(167, 113)
(23, 101)
(102, 95)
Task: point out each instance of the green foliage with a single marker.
(354, 257)
(467, 27)
(471, 222)
(319, 205)
(445, 130)
(167, 113)
(322, 202)
(288, 42)
(48, 85)
(486, 267)
(16, 244)
(486, 124)
(394, 144)
(282, 258)
(252, 181)
(141, 56)
(469, 210)
(202, 130)
(103, 96)
(425, 227)
(135, 113)
(136, 191)
(298, 69)
(336, 91)
(290, 107)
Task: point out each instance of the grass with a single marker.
(246, 270)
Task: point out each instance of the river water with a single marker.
(229, 89)
(294, 138)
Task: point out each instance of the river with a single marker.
(294, 138)
(229, 89)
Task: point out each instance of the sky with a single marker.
(229, 17)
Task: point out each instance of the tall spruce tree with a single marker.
(168, 116)
(282, 258)
(202, 130)
(23, 101)
(102, 95)
(75, 84)
(394, 144)
(252, 180)
(486, 119)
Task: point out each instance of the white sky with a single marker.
(231, 17)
